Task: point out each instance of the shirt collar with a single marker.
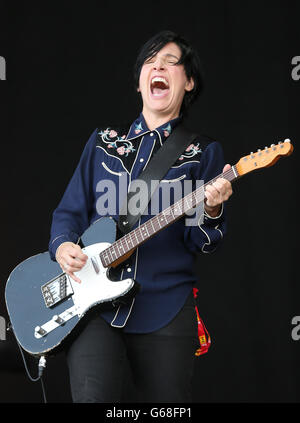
(139, 128)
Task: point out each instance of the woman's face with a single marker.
(163, 83)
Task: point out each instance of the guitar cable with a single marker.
(41, 365)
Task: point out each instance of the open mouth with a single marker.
(159, 86)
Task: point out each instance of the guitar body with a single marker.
(45, 305)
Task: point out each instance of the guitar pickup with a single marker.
(56, 290)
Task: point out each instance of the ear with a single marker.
(189, 84)
(138, 89)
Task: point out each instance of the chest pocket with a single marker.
(112, 172)
(179, 178)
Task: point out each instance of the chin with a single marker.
(159, 106)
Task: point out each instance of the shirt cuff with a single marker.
(208, 220)
(57, 241)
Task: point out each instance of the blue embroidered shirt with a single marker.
(164, 264)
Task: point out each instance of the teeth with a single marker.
(159, 79)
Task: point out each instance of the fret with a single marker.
(152, 225)
(186, 200)
(130, 240)
(147, 230)
(162, 219)
(108, 252)
(125, 239)
(139, 233)
(177, 209)
(165, 217)
(143, 232)
(134, 232)
(166, 212)
(172, 213)
(156, 223)
(116, 248)
(120, 245)
(104, 258)
(199, 193)
(158, 220)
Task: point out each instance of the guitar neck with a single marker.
(129, 242)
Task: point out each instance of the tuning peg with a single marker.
(287, 140)
(259, 151)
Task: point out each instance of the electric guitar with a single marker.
(45, 305)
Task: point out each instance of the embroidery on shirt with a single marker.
(190, 151)
(138, 128)
(111, 138)
(167, 130)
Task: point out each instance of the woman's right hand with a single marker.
(71, 259)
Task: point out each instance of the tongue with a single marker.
(158, 91)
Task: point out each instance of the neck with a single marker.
(124, 246)
(154, 120)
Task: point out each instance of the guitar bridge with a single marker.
(56, 290)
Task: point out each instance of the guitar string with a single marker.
(125, 241)
(122, 242)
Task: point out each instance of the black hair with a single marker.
(189, 58)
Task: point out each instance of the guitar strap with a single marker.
(150, 178)
(158, 166)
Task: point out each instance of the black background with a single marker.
(69, 70)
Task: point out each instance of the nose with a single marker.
(158, 64)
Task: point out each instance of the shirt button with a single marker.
(141, 160)
(151, 134)
(129, 269)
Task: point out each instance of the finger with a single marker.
(226, 167)
(224, 187)
(73, 257)
(214, 190)
(74, 264)
(77, 252)
(73, 267)
(210, 199)
(221, 186)
(74, 277)
(70, 272)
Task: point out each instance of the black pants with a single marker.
(103, 359)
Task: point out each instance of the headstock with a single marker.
(264, 158)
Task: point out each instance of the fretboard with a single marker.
(160, 221)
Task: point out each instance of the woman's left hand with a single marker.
(216, 194)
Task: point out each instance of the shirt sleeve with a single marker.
(71, 217)
(207, 234)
